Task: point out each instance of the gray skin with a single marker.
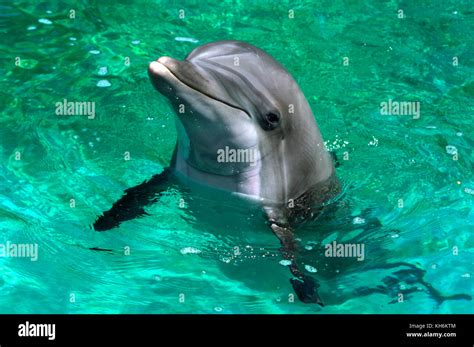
(229, 93)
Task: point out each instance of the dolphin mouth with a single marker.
(158, 69)
(160, 75)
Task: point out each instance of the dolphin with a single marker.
(244, 126)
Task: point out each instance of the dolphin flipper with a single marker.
(131, 204)
(306, 289)
(304, 286)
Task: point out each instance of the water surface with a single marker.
(405, 197)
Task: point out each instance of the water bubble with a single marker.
(190, 250)
(103, 84)
(459, 133)
(31, 27)
(374, 142)
(28, 64)
(308, 247)
(285, 262)
(469, 190)
(103, 71)
(358, 220)
(45, 21)
(218, 309)
(94, 51)
(452, 150)
(186, 39)
(135, 42)
(311, 269)
(72, 38)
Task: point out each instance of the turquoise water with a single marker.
(406, 198)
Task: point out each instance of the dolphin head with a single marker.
(231, 94)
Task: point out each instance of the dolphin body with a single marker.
(244, 126)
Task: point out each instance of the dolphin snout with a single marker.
(156, 68)
(169, 75)
(164, 60)
(162, 64)
(160, 75)
(162, 69)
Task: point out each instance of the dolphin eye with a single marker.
(272, 121)
(272, 118)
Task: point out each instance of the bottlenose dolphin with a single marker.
(244, 126)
